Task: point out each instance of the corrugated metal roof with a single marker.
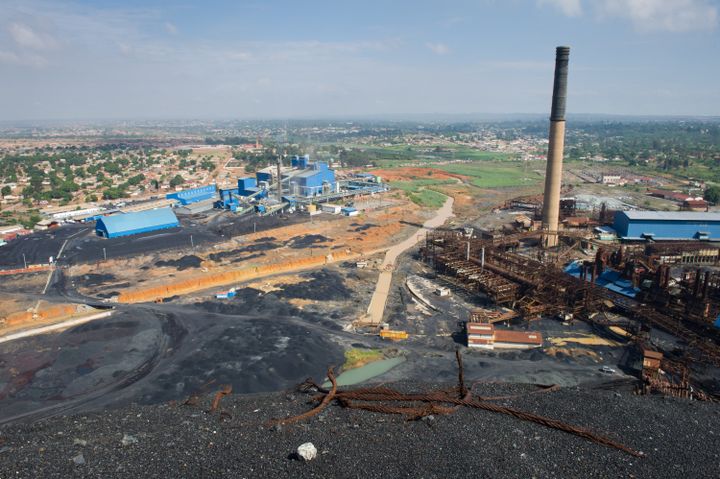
(139, 220)
(520, 337)
(307, 173)
(672, 215)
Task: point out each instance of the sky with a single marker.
(254, 59)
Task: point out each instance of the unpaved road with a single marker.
(376, 309)
(54, 327)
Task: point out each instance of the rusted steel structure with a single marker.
(534, 287)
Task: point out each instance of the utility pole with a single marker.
(192, 245)
(24, 261)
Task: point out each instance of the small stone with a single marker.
(128, 439)
(79, 459)
(79, 442)
(307, 451)
(277, 428)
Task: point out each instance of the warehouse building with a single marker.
(485, 336)
(136, 223)
(667, 225)
(316, 179)
(194, 195)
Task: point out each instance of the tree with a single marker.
(712, 194)
(113, 193)
(5, 190)
(177, 181)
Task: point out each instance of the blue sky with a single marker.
(288, 59)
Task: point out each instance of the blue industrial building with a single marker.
(264, 176)
(300, 162)
(667, 225)
(249, 187)
(228, 199)
(317, 179)
(136, 223)
(186, 197)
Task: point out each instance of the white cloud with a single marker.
(668, 15)
(26, 37)
(571, 8)
(29, 59)
(438, 48)
(171, 28)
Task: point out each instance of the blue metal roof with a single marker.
(135, 223)
(672, 215)
(609, 279)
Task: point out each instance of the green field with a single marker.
(413, 186)
(400, 155)
(419, 192)
(496, 175)
(428, 198)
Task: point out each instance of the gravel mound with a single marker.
(678, 437)
(323, 285)
(186, 262)
(306, 241)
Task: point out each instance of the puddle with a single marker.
(363, 373)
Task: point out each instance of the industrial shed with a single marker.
(194, 195)
(136, 223)
(667, 225)
(318, 179)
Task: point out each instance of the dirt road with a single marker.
(377, 303)
(54, 327)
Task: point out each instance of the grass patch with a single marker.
(495, 175)
(414, 186)
(417, 191)
(428, 198)
(355, 357)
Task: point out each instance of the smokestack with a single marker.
(553, 173)
(279, 178)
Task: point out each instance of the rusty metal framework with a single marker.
(535, 287)
(382, 399)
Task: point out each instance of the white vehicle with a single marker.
(607, 370)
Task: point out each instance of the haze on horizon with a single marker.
(281, 59)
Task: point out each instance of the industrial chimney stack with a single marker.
(553, 174)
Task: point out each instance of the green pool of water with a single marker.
(363, 373)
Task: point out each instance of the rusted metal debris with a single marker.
(225, 389)
(324, 401)
(194, 398)
(435, 402)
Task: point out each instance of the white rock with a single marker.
(307, 451)
(128, 439)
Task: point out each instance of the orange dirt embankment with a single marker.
(414, 173)
(47, 313)
(213, 279)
